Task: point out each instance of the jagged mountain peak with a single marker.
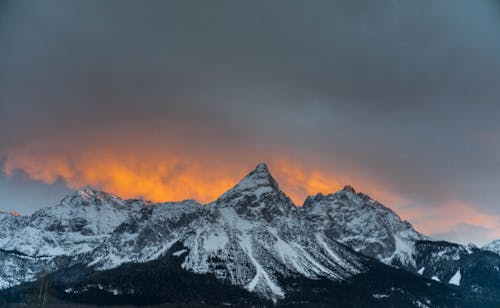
(493, 246)
(262, 167)
(253, 237)
(260, 176)
(75, 225)
(88, 191)
(90, 196)
(258, 197)
(348, 193)
(364, 224)
(256, 183)
(349, 188)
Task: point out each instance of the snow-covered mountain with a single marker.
(78, 224)
(365, 225)
(474, 270)
(57, 236)
(252, 237)
(493, 246)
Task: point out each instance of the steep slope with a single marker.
(163, 281)
(60, 235)
(493, 246)
(365, 225)
(9, 224)
(472, 269)
(77, 224)
(250, 236)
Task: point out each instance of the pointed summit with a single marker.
(262, 167)
(257, 182)
(87, 192)
(88, 195)
(493, 246)
(261, 175)
(349, 188)
(257, 197)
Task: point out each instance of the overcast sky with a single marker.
(176, 98)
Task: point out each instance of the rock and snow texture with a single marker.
(493, 246)
(78, 224)
(466, 266)
(81, 222)
(253, 235)
(365, 225)
(455, 279)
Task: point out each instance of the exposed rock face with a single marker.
(493, 246)
(358, 221)
(471, 268)
(252, 237)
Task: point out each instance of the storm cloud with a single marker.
(392, 94)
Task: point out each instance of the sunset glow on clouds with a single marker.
(168, 177)
(164, 177)
(168, 101)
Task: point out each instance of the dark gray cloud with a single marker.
(21, 195)
(405, 91)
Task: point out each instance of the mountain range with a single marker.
(251, 247)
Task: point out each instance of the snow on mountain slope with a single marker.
(60, 235)
(493, 246)
(455, 279)
(16, 268)
(9, 224)
(78, 224)
(468, 267)
(252, 235)
(365, 225)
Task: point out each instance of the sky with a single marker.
(170, 100)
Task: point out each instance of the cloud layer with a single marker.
(166, 99)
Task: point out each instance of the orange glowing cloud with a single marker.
(450, 214)
(162, 177)
(158, 180)
(166, 176)
(15, 213)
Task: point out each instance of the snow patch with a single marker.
(215, 242)
(246, 245)
(419, 304)
(179, 252)
(456, 278)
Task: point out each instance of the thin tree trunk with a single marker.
(45, 293)
(40, 286)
